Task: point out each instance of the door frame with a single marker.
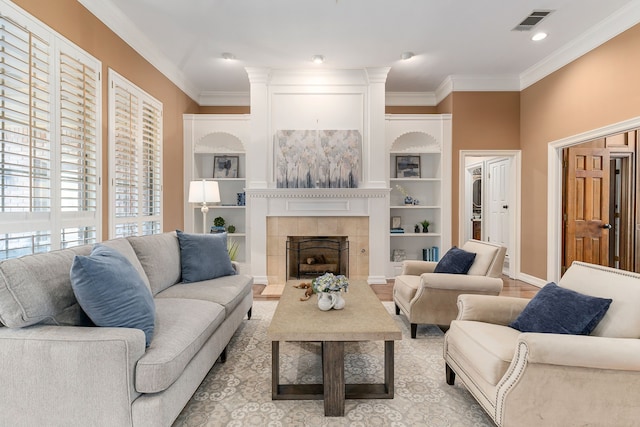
(554, 188)
(514, 200)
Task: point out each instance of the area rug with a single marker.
(238, 392)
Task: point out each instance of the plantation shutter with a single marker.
(79, 186)
(49, 146)
(151, 162)
(136, 159)
(25, 150)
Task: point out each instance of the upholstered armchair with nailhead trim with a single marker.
(425, 297)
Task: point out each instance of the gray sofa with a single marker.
(58, 370)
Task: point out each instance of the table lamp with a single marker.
(204, 192)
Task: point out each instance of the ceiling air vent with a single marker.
(532, 20)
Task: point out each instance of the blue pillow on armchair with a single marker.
(558, 310)
(455, 261)
(204, 256)
(112, 293)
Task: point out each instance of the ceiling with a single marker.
(469, 42)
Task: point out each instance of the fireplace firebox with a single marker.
(309, 257)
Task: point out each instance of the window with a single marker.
(49, 143)
(135, 159)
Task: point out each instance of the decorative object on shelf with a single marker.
(328, 287)
(408, 200)
(218, 225)
(231, 229)
(407, 166)
(232, 248)
(399, 255)
(225, 166)
(241, 198)
(416, 202)
(204, 192)
(425, 226)
(416, 228)
(318, 158)
(395, 222)
(431, 254)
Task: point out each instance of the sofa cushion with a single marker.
(455, 261)
(37, 289)
(159, 255)
(204, 256)
(622, 320)
(182, 328)
(487, 348)
(485, 255)
(111, 291)
(123, 246)
(227, 291)
(558, 310)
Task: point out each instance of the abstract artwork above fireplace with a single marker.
(318, 158)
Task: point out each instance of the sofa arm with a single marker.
(460, 282)
(416, 268)
(73, 375)
(490, 309)
(582, 351)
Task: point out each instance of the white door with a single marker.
(498, 198)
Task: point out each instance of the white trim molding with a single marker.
(554, 188)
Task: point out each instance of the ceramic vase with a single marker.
(326, 300)
(340, 302)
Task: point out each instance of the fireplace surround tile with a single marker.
(356, 228)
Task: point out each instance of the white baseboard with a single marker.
(532, 280)
(377, 280)
(260, 280)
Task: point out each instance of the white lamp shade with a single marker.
(204, 192)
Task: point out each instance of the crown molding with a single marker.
(224, 99)
(477, 83)
(120, 24)
(617, 23)
(405, 99)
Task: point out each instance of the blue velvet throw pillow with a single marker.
(111, 292)
(455, 261)
(558, 310)
(204, 256)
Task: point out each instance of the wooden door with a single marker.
(587, 206)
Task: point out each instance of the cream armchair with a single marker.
(426, 297)
(536, 379)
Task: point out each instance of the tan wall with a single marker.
(73, 21)
(481, 121)
(600, 88)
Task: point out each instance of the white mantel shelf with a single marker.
(319, 193)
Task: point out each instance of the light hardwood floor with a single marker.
(512, 288)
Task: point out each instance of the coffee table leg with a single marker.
(388, 368)
(333, 378)
(275, 368)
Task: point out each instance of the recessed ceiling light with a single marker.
(228, 56)
(317, 59)
(406, 55)
(539, 36)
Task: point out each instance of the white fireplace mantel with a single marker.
(316, 202)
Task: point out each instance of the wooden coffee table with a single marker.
(364, 318)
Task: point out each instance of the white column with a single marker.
(257, 173)
(375, 151)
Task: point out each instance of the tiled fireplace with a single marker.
(359, 214)
(280, 229)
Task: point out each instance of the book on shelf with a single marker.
(431, 254)
(397, 230)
